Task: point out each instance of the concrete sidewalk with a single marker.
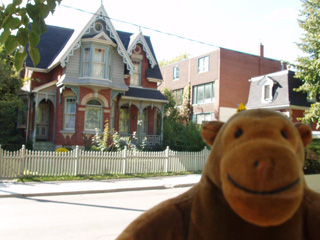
(32, 189)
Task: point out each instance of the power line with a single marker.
(139, 26)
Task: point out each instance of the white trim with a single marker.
(143, 99)
(44, 86)
(139, 38)
(156, 80)
(75, 41)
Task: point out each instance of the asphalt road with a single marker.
(89, 217)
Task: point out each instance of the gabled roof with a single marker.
(139, 38)
(58, 44)
(283, 92)
(73, 42)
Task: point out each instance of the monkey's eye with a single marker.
(284, 134)
(238, 133)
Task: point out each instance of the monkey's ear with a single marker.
(210, 131)
(305, 133)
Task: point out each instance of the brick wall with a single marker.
(78, 137)
(39, 78)
(236, 69)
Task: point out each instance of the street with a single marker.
(90, 217)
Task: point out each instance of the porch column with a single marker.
(35, 124)
(140, 123)
(36, 105)
(162, 115)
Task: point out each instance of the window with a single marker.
(203, 64)
(93, 116)
(136, 76)
(124, 118)
(176, 72)
(199, 118)
(98, 64)
(86, 62)
(69, 114)
(203, 93)
(178, 96)
(267, 94)
(96, 61)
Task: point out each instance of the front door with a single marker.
(43, 121)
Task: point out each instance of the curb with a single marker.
(26, 195)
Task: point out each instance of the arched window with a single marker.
(93, 115)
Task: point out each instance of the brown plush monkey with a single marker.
(252, 187)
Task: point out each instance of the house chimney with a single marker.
(261, 50)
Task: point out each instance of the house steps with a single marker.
(44, 146)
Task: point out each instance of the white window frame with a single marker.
(267, 91)
(176, 72)
(208, 115)
(66, 114)
(203, 64)
(202, 87)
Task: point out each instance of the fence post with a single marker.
(124, 160)
(76, 161)
(22, 155)
(166, 160)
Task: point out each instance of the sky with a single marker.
(239, 25)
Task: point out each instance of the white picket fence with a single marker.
(25, 163)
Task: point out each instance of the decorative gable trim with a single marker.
(100, 14)
(136, 39)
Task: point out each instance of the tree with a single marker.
(176, 59)
(10, 103)
(179, 132)
(16, 35)
(308, 66)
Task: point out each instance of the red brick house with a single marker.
(87, 76)
(218, 80)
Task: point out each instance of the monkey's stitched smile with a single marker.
(276, 191)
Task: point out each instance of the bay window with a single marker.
(96, 61)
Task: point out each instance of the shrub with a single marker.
(62, 150)
(311, 166)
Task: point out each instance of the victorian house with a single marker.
(87, 76)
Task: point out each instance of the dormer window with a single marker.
(267, 92)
